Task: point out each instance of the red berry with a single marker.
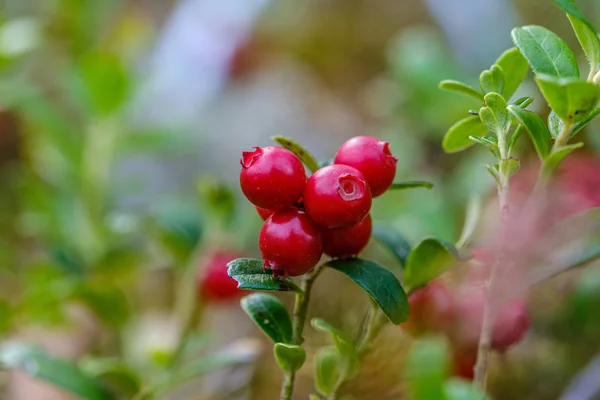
(337, 197)
(347, 242)
(463, 362)
(511, 324)
(272, 177)
(290, 243)
(373, 158)
(432, 309)
(264, 214)
(213, 284)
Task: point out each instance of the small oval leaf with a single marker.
(535, 127)
(289, 357)
(459, 87)
(571, 99)
(393, 241)
(270, 315)
(514, 66)
(457, 136)
(326, 371)
(250, 275)
(492, 80)
(495, 115)
(299, 151)
(427, 367)
(429, 259)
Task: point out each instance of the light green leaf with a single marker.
(349, 363)
(535, 127)
(427, 367)
(460, 389)
(303, 154)
(393, 241)
(326, 371)
(106, 81)
(410, 184)
(289, 357)
(571, 99)
(495, 115)
(493, 170)
(554, 159)
(460, 87)
(489, 142)
(556, 124)
(379, 283)
(429, 259)
(457, 137)
(250, 275)
(116, 375)
(270, 315)
(545, 52)
(515, 136)
(492, 80)
(510, 167)
(514, 66)
(523, 102)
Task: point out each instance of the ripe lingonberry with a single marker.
(213, 283)
(463, 362)
(373, 158)
(337, 197)
(290, 243)
(264, 214)
(347, 242)
(511, 324)
(432, 309)
(272, 178)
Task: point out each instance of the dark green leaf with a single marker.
(571, 99)
(107, 302)
(379, 283)
(393, 241)
(515, 136)
(39, 364)
(460, 87)
(535, 127)
(289, 357)
(326, 371)
(427, 367)
(495, 115)
(116, 375)
(429, 259)
(299, 151)
(106, 81)
(523, 102)
(250, 275)
(411, 184)
(545, 52)
(457, 137)
(492, 80)
(460, 389)
(514, 66)
(270, 315)
(554, 159)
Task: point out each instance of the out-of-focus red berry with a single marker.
(213, 283)
(463, 362)
(432, 309)
(347, 242)
(264, 214)
(373, 158)
(272, 178)
(510, 326)
(290, 243)
(337, 197)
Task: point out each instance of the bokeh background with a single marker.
(121, 128)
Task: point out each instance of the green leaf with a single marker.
(460, 389)
(299, 151)
(582, 123)
(457, 136)
(489, 142)
(270, 315)
(510, 167)
(326, 370)
(545, 52)
(515, 136)
(554, 159)
(535, 127)
(492, 80)
(289, 357)
(41, 365)
(379, 283)
(106, 81)
(472, 216)
(557, 125)
(5, 315)
(523, 102)
(571, 99)
(495, 115)
(429, 259)
(493, 170)
(393, 241)
(427, 367)
(514, 66)
(116, 375)
(250, 275)
(343, 343)
(460, 87)
(411, 184)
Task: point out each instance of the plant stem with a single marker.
(299, 320)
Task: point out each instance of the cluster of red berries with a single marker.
(326, 213)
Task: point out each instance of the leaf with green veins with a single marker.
(349, 363)
(487, 143)
(392, 240)
(251, 275)
(492, 80)
(460, 87)
(494, 115)
(410, 184)
(460, 389)
(270, 315)
(514, 66)
(555, 158)
(571, 99)
(515, 136)
(555, 124)
(545, 52)
(326, 371)
(523, 102)
(289, 357)
(299, 151)
(457, 137)
(379, 283)
(429, 259)
(493, 170)
(510, 167)
(427, 367)
(535, 127)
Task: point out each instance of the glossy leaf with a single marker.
(495, 115)
(299, 151)
(554, 159)
(462, 88)
(392, 240)
(571, 99)
(535, 127)
(492, 80)
(545, 52)
(514, 67)
(429, 259)
(379, 283)
(427, 367)
(457, 137)
(271, 316)
(460, 389)
(289, 357)
(250, 275)
(326, 371)
(61, 373)
(410, 184)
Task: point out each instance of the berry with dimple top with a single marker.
(337, 197)
(432, 309)
(290, 243)
(272, 177)
(347, 242)
(264, 214)
(213, 284)
(373, 158)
